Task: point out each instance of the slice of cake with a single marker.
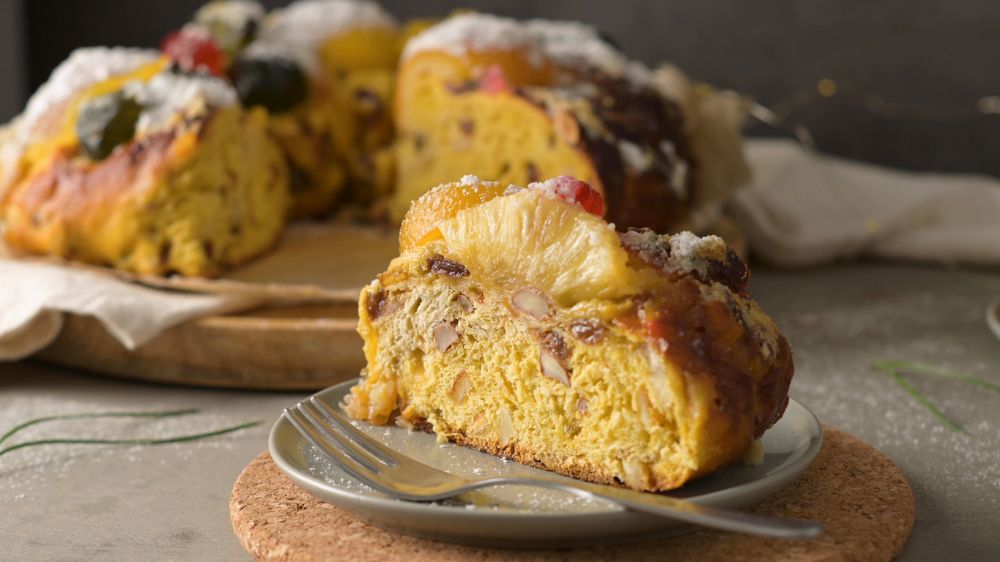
(518, 321)
(516, 101)
(121, 161)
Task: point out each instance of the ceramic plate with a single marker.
(993, 317)
(518, 516)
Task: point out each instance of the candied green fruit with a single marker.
(106, 122)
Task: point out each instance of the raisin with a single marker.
(467, 126)
(440, 265)
(555, 343)
(369, 105)
(165, 248)
(732, 272)
(375, 303)
(531, 169)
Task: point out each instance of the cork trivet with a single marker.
(862, 498)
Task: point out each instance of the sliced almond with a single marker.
(555, 343)
(506, 427)
(567, 127)
(531, 302)
(582, 405)
(478, 427)
(552, 368)
(647, 410)
(636, 475)
(662, 395)
(466, 303)
(460, 388)
(445, 336)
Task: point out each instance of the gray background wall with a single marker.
(932, 59)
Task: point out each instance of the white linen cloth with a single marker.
(803, 208)
(34, 296)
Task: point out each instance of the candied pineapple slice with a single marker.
(442, 203)
(536, 238)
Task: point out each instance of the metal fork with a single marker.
(399, 476)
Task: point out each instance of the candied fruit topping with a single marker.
(576, 191)
(494, 81)
(106, 122)
(442, 203)
(276, 84)
(193, 49)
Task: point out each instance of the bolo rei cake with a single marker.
(324, 71)
(192, 159)
(119, 160)
(520, 322)
(516, 101)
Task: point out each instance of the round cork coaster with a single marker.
(862, 498)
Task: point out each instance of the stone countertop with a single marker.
(170, 502)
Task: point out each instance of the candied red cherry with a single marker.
(577, 191)
(494, 81)
(194, 49)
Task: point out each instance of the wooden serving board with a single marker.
(292, 348)
(303, 338)
(862, 498)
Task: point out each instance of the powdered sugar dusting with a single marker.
(677, 253)
(26, 474)
(476, 32)
(566, 43)
(309, 23)
(469, 180)
(635, 157)
(168, 96)
(84, 67)
(840, 320)
(571, 43)
(689, 246)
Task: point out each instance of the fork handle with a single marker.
(675, 508)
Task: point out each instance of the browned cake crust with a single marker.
(612, 113)
(187, 190)
(520, 101)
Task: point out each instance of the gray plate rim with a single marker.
(787, 471)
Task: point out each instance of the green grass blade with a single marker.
(161, 441)
(925, 369)
(891, 368)
(36, 421)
